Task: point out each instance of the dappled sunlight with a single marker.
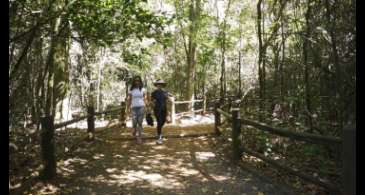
(75, 160)
(98, 156)
(49, 189)
(220, 177)
(187, 172)
(98, 178)
(160, 147)
(118, 156)
(175, 167)
(154, 179)
(111, 170)
(65, 171)
(153, 161)
(146, 167)
(204, 156)
(182, 152)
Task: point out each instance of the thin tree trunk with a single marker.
(222, 33)
(338, 80)
(281, 66)
(99, 84)
(259, 15)
(239, 75)
(307, 68)
(239, 63)
(193, 29)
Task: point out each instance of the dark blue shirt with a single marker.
(160, 98)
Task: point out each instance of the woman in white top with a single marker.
(137, 101)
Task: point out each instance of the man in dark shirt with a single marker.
(160, 98)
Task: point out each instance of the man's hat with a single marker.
(159, 82)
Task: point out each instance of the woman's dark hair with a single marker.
(134, 83)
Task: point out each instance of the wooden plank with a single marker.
(329, 186)
(312, 138)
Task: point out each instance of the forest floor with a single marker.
(115, 164)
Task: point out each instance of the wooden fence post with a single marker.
(90, 122)
(217, 118)
(192, 106)
(204, 104)
(173, 114)
(48, 148)
(236, 131)
(349, 160)
(122, 118)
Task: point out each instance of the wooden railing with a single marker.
(174, 103)
(346, 143)
(47, 137)
(90, 116)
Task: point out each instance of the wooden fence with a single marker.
(346, 143)
(192, 102)
(47, 137)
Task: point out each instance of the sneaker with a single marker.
(159, 141)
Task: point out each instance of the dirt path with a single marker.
(178, 166)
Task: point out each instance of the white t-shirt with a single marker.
(137, 97)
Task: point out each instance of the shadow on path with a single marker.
(178, 166)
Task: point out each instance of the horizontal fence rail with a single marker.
(186, 102)
(292, 171)
(226, 114)
(80, 118)
(347, 141)
(47, 141)
(174, 103)
(308, 137)
(63, 124)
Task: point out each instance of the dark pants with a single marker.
(160, 114)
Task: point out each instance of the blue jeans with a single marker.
(137, 119)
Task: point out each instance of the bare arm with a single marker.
(145, 99)
(170, 97)
(129, 102)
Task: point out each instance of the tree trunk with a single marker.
(239, 75)
(98, 100)
(338, 80)
(58, 52)
(281, 66)
(307, 69)
(261, 56)
(222, 34)
(194, 15)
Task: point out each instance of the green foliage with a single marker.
(114, 21)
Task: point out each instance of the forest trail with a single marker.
(111, 165)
